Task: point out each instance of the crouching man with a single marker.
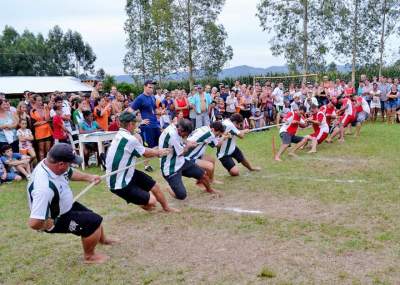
(52, 206)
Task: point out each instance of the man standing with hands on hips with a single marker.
(145, 103)
(52, 205)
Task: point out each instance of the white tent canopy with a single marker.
(42, 84)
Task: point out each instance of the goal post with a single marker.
(275, 78)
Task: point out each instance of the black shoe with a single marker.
(148, 168)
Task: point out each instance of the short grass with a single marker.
(329, 218)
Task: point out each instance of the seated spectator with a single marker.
(15, 163)
(7, 176)
(25, 138)
(257, 120)
(60, 132)
(89, 126)
(23, 114)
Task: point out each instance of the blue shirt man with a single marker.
(145, 103)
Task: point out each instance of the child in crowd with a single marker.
(7, 176)
(15, 162)
(257, 120)
(165, 119)
(25, 138)
(60, 132)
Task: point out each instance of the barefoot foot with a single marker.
(97, 258)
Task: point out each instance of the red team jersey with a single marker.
(289, 126)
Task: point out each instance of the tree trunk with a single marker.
(143, 67)
(355, 41)
(190, 46)
(158, 59)
(305, 41)
(382, 45)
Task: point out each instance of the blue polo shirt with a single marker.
(147, 107)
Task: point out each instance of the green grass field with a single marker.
(328, 218)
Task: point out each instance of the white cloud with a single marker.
(101, 24)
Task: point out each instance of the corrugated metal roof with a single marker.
(39, 84)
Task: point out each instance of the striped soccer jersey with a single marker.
(174, 161)
(123, 151)
(49, 194)
(228, 146)
(202, 136)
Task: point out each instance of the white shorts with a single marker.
(375, 104)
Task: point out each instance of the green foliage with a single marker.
(34, 55)
(267, 273)
(108, 82)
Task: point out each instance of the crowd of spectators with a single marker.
(28, 130)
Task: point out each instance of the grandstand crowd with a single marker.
(28, 130)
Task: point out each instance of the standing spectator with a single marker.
(202, 101)
(8, 125)
(277, 95)
(391, 104)
(40, 116)
(117, 105)
(375, 103)
(60, 132)
(102, 112)
(181, 104)
(145, 103)
(366, 89)
(23, 114)
(96, 93)
(192, 111)
(223, 92)
(384, 89)
(77, 116)
(25, 139)
(231, 104)
(245, 105)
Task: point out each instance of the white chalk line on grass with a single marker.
(236, 210)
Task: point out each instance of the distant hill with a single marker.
(232, 72)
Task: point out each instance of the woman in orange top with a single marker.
(102, 113)
(40, 115)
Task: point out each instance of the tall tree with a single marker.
(299, 30)
(194, 20)
(389, 25)
(356, 30)
(139, 29)
(163, 41)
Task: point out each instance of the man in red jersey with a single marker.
(348, 113)
(288, 131)
(321, 130)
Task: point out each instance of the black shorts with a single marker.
(190, 170)
(288, 138)
(227, 161)
(137, 191)
(79, 221)
(245, 113)
(150, 136)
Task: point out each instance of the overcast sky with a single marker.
(101, 24)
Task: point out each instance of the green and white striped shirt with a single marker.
(229, 145)
(203, 136)
(174, 161)
(49, 194)
(123, 151)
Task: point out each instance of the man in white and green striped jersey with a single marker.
(132, 185)
(174, 165)
(229, 151)
(207, 135)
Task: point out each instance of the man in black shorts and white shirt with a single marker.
(53, 209)
(228, 149)
(132, 185)
(174, 165)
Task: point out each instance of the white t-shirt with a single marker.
(123, 151)
(278, 99)
(174, 161)
(231, 104)
(49, 195)
(228, 146)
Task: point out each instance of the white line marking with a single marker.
(237, 210)
(350, 181)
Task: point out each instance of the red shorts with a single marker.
(320, 136)
(346, 119)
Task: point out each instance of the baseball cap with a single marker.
(127, 117)
(62, 152)
(147, 82)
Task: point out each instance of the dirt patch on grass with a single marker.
(192, 251)
(290, 208)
